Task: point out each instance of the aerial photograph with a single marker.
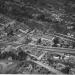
(37, 37)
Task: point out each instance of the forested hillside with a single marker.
(46, 15)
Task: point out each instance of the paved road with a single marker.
(52, 49)
(47, 67)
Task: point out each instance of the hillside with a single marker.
(46, 15)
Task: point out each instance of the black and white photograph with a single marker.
(37, 37)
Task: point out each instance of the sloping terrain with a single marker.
(46, 15)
